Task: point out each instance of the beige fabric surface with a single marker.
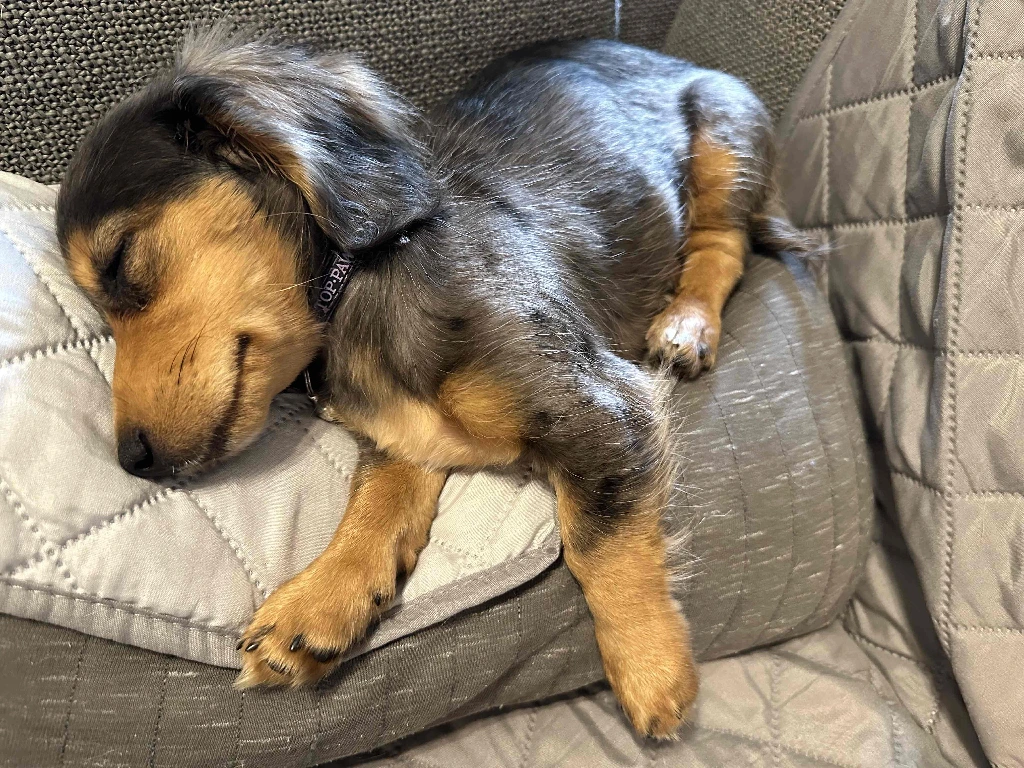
(814, 702)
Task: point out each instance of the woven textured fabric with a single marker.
(904, 148)
(75, 700)
(768, 44)
(62, 64)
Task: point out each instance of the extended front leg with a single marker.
(301, 631)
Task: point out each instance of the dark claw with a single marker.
(297, 642)
(252, 646)
(281, 669)
(324, 655)
(703, 350)
(686, 369)
(239, 644)
(378, 598)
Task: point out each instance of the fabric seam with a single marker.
(950, 395)
(887, 96)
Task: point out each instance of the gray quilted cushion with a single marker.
(905, 149)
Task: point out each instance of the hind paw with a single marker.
(685, 336)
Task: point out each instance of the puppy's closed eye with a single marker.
(121, 294)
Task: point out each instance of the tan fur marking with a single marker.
(643, 637)
(334, 600)
(715, 245)
(712, 180)
(473, 425)
(80, 263)
(482, 407)
(687, 332)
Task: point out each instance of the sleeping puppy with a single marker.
(480, 289)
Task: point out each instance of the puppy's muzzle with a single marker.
(137, 455)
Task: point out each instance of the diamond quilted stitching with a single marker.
(140, 507)
(157, 544)
(29, 314)
(872, 189)
(32, 234)
(882, 45)
(26, 537)
(495, 496)
(16, 541)
(302, 504)
(803, 685)
(33, 396)
(48, 570)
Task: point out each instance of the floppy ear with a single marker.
(326, 124)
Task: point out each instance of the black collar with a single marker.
(327, 290)
(324, 297)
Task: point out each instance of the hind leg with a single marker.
(727, 181)
(686, 333)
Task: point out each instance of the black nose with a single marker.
(135, 453)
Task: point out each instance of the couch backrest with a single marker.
(65, 62)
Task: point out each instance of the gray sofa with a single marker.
(837, 626)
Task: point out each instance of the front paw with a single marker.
(301, 632)
(658, 706)
(654, 676)
(685, 336)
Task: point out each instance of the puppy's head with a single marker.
(196, 212)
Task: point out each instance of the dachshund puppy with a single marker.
(479, 289)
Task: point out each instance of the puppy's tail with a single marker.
(772, 233)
